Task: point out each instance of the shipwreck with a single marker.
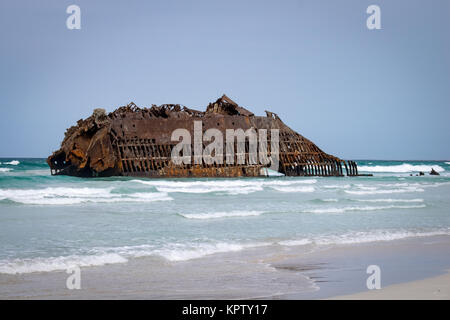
(133, 141)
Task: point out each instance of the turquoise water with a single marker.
(51, 223)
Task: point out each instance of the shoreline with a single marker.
(403, 261)
(274, 272)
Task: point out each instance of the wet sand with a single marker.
(272, 272)
(435, 288)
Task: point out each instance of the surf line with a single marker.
(199, 310)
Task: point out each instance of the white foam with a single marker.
(390, 200)
(226, 183)
(67, 196)
(101, 256)
(229, 190)
(185, 253)
(416, 184)
(300, 242)
(364, 208)
(337, 186)
(294, 189)
(12, 163)
(401, 168)
(384, 191)
(216, 215)
(363, 187)
(144, 197)
(307, 181)
(364, 237)
(239, 186)
(18, 266)
(375, 236)
(180, 251)
(5, 169)
(447, 163)
(110, 255)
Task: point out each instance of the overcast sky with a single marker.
(357, 93)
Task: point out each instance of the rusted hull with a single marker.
(137, 142)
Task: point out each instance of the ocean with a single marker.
(50, 223)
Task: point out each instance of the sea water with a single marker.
(50, 223)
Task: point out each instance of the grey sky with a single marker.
(357, 93)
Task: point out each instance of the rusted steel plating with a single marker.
(133, 141)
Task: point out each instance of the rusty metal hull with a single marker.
(134, 141)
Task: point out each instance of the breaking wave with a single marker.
(67, 196)
(223, 186)
(369, 190)
(5, 169)
(215, 215)
(363, 237)
(183, 252)
(337, 186)
(365, 208)
(12, 163)
(390, 200)
(103, 256)
(175, 252)
(401, 168)
(294, 189)
(375, 236)
(300, 242)
(18, 266)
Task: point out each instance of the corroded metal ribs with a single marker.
(133, 141)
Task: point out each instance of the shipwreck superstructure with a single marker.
(133, 141)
